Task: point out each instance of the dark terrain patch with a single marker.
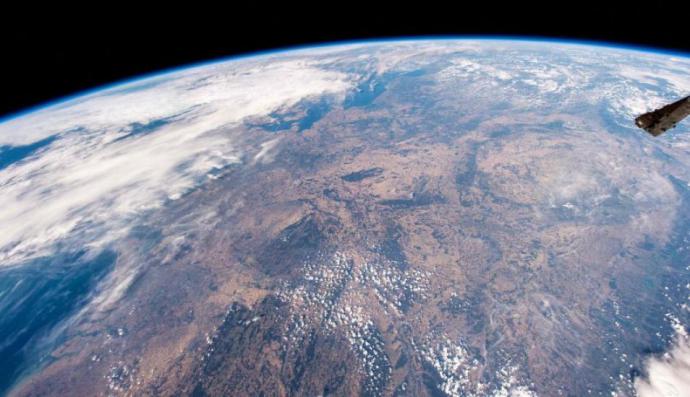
(417, 200)
(294, 245)
(455, 306)
(361, 175)
(248, 357)
(301, 117)
(392, 249)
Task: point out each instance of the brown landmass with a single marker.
(378, 253)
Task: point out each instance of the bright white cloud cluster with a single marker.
(668, 375)
(91, 177)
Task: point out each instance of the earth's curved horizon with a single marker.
(139, 77)
(444, 216)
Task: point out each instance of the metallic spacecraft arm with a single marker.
(658, 121)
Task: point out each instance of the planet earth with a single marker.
(446, 217)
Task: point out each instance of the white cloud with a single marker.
(265, 155)
(238, 89)
(668, 375)
(88, 178)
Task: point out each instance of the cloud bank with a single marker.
(128, 149)
(668, 375)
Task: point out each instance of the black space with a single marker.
(43, 59)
